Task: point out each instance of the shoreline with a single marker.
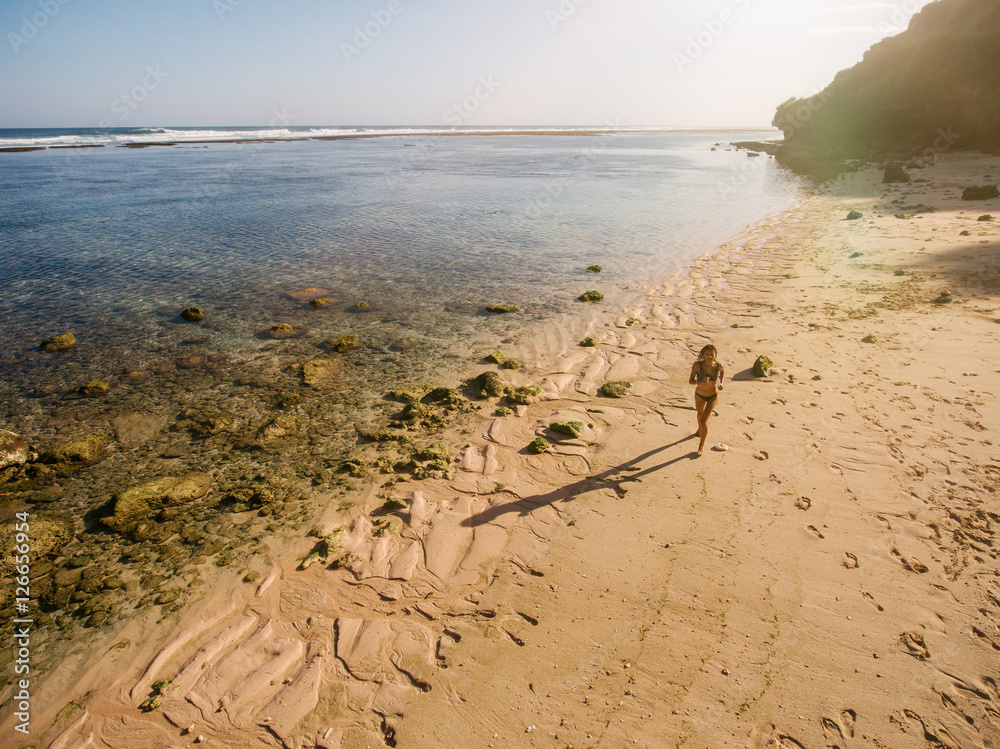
(591, 596)
(589, 132)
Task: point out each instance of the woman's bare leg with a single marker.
(702, 429)
(704, 412)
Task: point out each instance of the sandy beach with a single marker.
(829, 580)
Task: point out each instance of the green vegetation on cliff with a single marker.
(934, 87)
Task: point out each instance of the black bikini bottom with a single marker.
(707, 398)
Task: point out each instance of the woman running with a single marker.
(706, 376)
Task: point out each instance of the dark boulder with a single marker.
(894, 174)
(985, 192)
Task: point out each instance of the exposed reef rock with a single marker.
(193, 314)
(591, 296)
(501, 309)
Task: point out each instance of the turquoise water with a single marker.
(111, 243)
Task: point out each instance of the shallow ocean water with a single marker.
(111, 243)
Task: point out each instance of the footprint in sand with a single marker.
(787, 742)
(803, 503)
(871, 599)
(847, 720)
(850, 561)
(815, 531)
(912, 564)
(761, 455)
(915, 645)
(831, 729)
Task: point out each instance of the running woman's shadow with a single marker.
(525, 505)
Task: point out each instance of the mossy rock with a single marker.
(855, 215)
(383, 435)
(869, 339)
(394, 504)
(572, 428)
(412, 414)
(94, 388)
(489, 385)
(63, 342)
(762, 366)
(142, 500)
(502, 411)
(588, 342)
(497, 357)
(522, 396)
(319, 303)
(410, 394)
(168, 597)
(362, 305)
(193, 314)
(436, 451)
(355, 467)
(594, 269)
(591, 296)
(512, 364)
(616, 388)
(943, 298)
(88, 450)
(501, 309)
(448, 397)
(538, 445)
(386, 527)
(856, 254)
(343, 344)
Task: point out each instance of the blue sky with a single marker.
(665, 63)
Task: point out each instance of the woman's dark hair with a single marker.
(705, 350)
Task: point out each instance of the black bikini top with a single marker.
(711, 377)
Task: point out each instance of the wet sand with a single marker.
(829, 580)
